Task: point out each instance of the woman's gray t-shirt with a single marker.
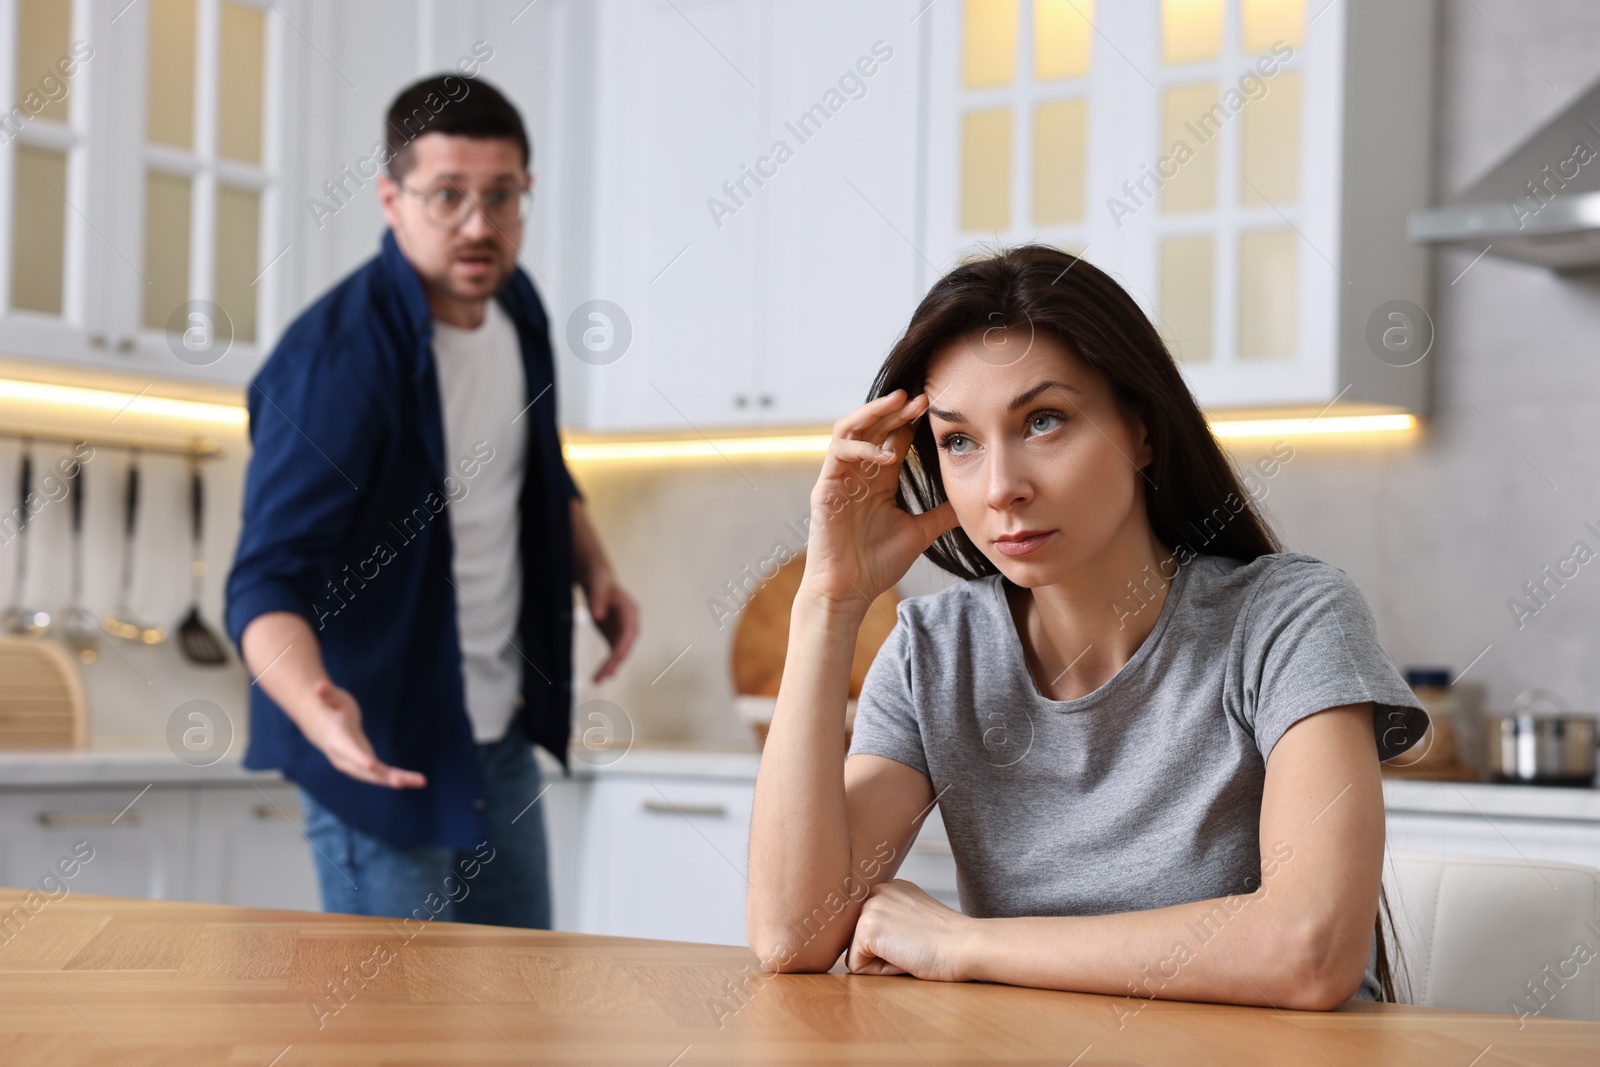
(1146, 792)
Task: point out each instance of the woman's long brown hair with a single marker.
(1192, 495)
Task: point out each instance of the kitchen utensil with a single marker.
(1542, 749)
(78, 630)
(17, 619)
(120, 622)
(762, 638)
(42, 704)
(198, 641)
(1437, 756)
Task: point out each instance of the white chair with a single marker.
(1515, 936)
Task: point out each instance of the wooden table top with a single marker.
(106, 980)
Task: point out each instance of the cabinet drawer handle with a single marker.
(935, 846)
(268, 812)
(667, 807)
(57, 820)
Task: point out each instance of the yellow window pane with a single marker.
(1191, 118)
(242, 78)
(1191, 30)
(986, 170)
(1062, 30)
(237, 253)
(1263, 23)
(1270, 154)
(1185, 297)
(1060, 129)
(166, 246)
(44, 30)
(169, 85)
(989, 43)
(1269, 286)
(38, 229)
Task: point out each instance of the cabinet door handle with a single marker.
(269, 812)
(57, 820)
(667, 807)
(765, 400)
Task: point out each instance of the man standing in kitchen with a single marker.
(402, 590)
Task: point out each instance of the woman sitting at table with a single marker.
(1153, 736)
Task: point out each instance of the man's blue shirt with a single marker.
(346, 524)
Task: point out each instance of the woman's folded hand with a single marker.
(903, 930)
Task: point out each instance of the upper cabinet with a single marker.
(143, 208)
(755, 196)
(1243, 167)
(738, 191)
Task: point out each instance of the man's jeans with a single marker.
(508, 886)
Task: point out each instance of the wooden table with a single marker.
(104, 980)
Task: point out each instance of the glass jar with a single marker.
(1438, 746)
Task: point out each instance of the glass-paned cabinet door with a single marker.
(47, 161)
(1245, 224)
(1187, 147)
(208, 215)
(1012, 114)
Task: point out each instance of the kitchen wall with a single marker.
(1439, 530)
(133, 689)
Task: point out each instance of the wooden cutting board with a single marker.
(42, 703)
(762, 636)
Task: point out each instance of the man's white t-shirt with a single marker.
(482, 388)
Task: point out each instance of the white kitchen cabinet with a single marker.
(1270, 248)
(233, 842)
(738, 179)
(565, 802)
(665, 858)
(141, 847)
(1566, 841)
(930, 864)
(144, 212)
(249, 849)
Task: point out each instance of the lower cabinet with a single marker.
(124, 843)
(220, 843)
(660, 856)
(248, 848)
(665, 856)
(1566, 841)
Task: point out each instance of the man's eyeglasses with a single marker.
(449, 206)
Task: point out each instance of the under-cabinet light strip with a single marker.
(120, 403)
(816, 444)
(644, 448)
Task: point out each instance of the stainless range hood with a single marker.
(1540, 204)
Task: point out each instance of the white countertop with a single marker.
(1501, 801)
(119, 767)
(122, 767)
(146, 766)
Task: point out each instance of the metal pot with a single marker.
(1550, 748)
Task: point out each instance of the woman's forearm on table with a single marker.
(1244, 949)
(800, 848)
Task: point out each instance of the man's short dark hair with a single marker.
(449, 104)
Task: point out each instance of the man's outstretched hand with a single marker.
(339, 736)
